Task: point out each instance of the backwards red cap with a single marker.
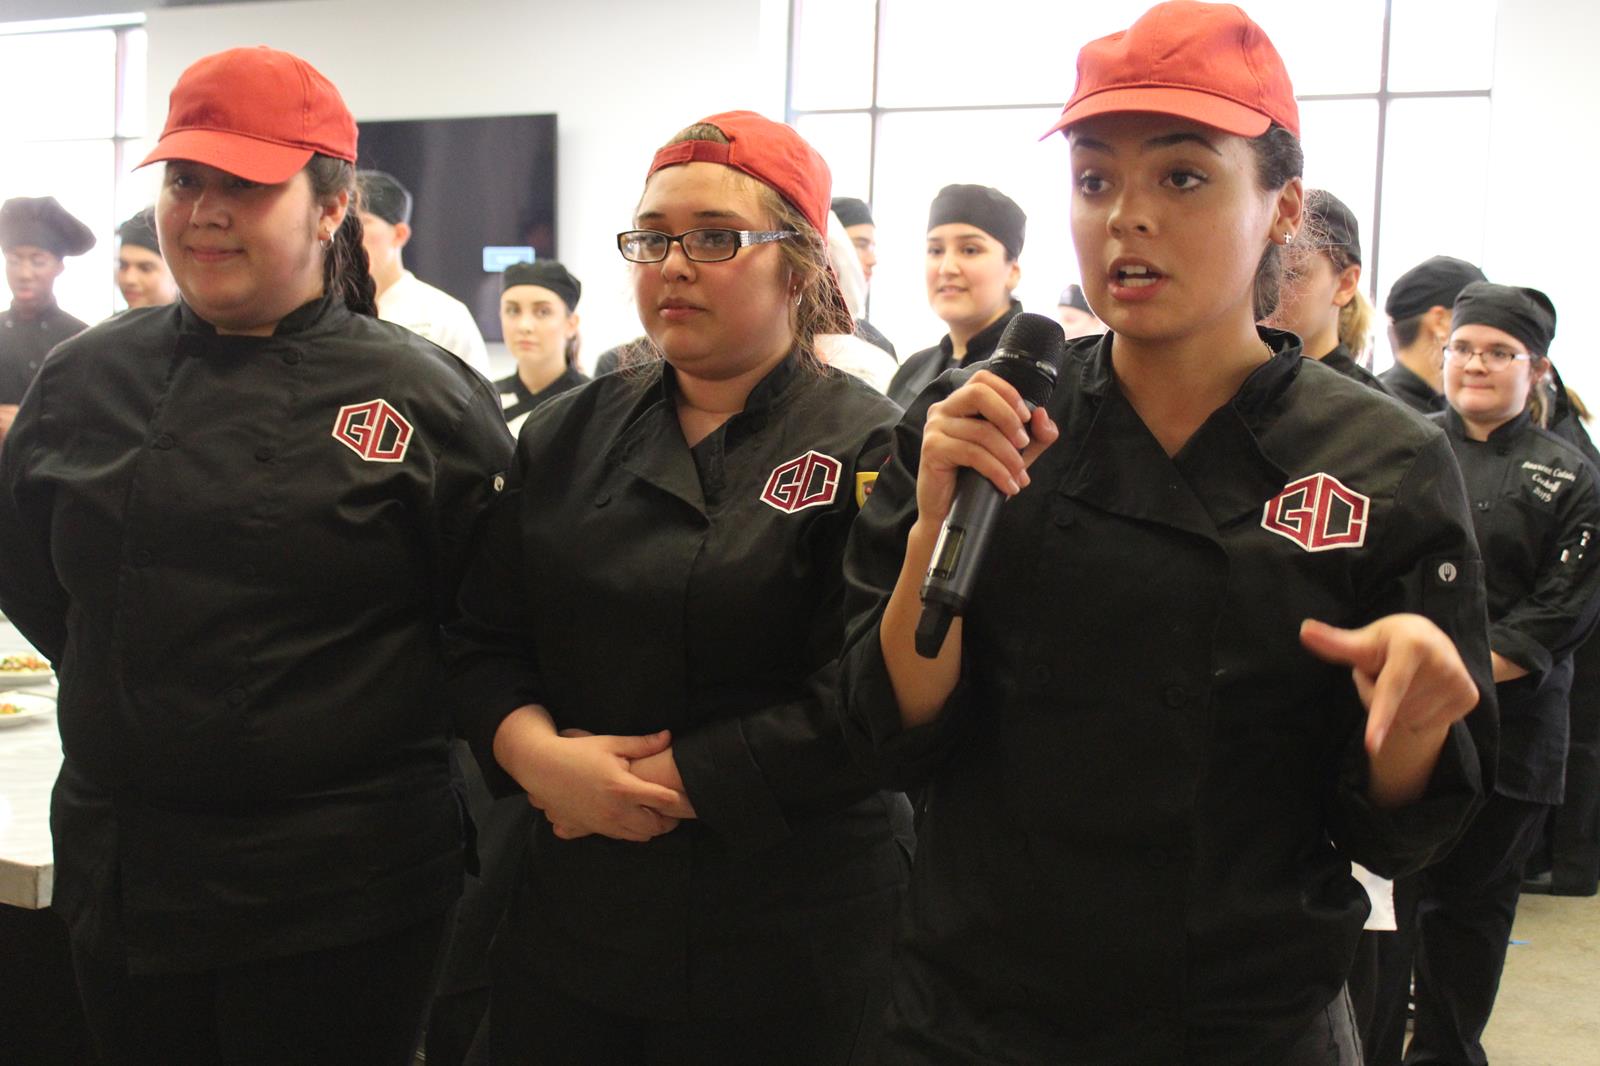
(257, 113)
(778, 157)
(1204, 62)
(771, 152)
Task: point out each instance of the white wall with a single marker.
(1543, 156)
(621, 75)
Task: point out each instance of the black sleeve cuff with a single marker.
(726, 787)
(1522, 650)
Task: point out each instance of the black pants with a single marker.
(359, 1004)
(1464, 912)
(1380, 983)
(532, 1023)
(1574, 834)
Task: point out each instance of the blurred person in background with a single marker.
(1075, 315)
(539, 320)
(142, 274)
(1322, 301)
(1418, 307)
(36, 234)
(404, 298)
(975, 235)
(859, 232)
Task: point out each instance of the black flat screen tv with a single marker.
(477, 183)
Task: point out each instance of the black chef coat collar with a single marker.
(1223, 472)
(651, 446)
(567, 379)
(983, 342)
(42, 315)
(299, 320)
(1501, 435)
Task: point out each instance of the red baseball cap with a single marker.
(257, 113)
(1204, 62)
(778, 157)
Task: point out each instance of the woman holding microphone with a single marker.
(235, 525)
(650, 641)
(1146, 769)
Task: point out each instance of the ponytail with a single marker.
(344, 262)
(1355, 322)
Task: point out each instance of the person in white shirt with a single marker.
(403, 298)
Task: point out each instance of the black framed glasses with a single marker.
(1496, 358)
(700, 245)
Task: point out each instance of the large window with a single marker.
(906, 96)
(72, 127)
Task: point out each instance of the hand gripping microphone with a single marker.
(1029, 358)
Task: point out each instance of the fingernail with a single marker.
(1020, 438)
(1015, 488)
(1026, 480)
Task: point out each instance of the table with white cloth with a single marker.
(30, 758)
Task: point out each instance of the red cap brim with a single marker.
(1203, 107)
(245, 157)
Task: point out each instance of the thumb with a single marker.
(642, 747)
(1358, 648)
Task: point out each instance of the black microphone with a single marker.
(1029, 358)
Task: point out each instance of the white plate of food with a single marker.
(18, 707)
(23, 669)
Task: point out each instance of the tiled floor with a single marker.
(1548, 1013)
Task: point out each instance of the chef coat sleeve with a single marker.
(746, 775)
(1560, 611)
(1426, 563)
(490, 670)
(31, 594)
(896, 757)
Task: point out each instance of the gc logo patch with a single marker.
(373, 430)
(1319, 513)
(807, 481)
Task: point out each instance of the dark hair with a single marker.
(1404, 331)
(1278, 160)
(815, 311)
(572, 350)
(344, 263)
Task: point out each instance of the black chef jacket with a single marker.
(237, 552)
(1341, 360)
(24, 342)
(637, 584)
(517, 400)
(918, 371)
(1536, 512)
(1405, 385)
(1143, 796)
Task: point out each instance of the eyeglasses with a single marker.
(1461, 353)
(700, 245)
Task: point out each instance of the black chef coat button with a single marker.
(32, 365)
(1063, 518)
(236, 696)
(1041, 674)
(164, 442)
(291, 357)
(1156, 857)
(248, 570)
(602, 499)
(142, 558)
(264, 454)
(1482, 505)
(1176, 696)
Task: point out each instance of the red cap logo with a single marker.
(1318, 513)
(373, 430)
(808, 481)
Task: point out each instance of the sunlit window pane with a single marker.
(1441, 44)
(135, 65)
(845, 141)
(1328, 49)
(832, 54)
(919, 153)
(1433, 206)
(939, 53)
(1340, 138)
(80, 174)
(58, 86)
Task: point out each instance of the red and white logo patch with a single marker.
(373, 430)
(1319, 513)
(810, 480)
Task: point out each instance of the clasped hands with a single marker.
(623, 787)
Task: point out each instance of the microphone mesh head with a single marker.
(1030, 354)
